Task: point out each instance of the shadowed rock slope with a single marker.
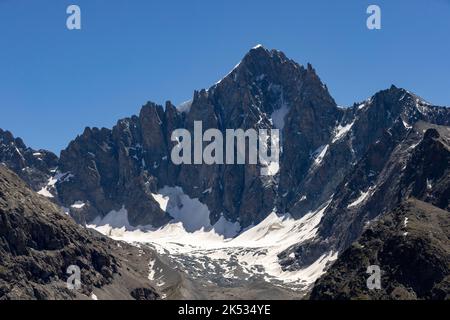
(38, 243)
(35, 167)
(412, 248)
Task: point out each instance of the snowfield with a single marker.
(222, 250)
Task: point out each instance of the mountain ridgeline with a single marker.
(358, 162)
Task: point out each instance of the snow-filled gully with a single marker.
(221, 250)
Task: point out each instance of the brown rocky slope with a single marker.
(38, 243)
(411, 247)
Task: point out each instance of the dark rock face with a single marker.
(411, 247)
(38, 243)
(33, 166)
(115, 168)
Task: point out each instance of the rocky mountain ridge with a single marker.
(356, 163)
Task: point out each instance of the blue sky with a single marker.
(54, 82)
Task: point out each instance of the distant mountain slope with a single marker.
(402, 164)
(38, 243)
(35, 167)
(412, 248)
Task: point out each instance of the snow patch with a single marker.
(279, 115)
(162, 201)
(206, 191)
(51, 182)
(319, 154)
(363, 196)
(270, 169)
(151, 270)
(260, 77)
(422, 106)
(18, 151)
(406, 125)
(44, 192)
(185, 107)
(113, 220)
(189, 216)
(429, 184)
(192, 214)
(414, 146)
(78, 205)
(341, 131)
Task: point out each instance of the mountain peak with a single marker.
(256, 53)
(6, 136)
(258, 46)
(260, 61)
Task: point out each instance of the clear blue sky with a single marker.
(54, 82)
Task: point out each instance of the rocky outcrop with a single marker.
(38, 243)
(115, 168)
(410, 245)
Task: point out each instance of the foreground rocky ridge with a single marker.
(38, 243)
(410, 245)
